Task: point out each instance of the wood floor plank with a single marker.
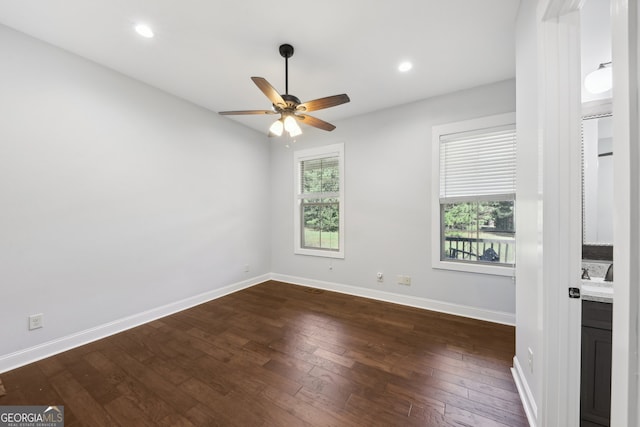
(329, 355)
(176, 420)
(307, 412)
(329, 385)
(278, 354)
(326, 402)
(153, 381)
(460, 417)
(508, 395)
(371, 414)
(485, 410)
(204, 415)
(124, 411)
(77, 399)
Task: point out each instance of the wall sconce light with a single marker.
(600, 80)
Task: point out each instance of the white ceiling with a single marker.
(205, 51)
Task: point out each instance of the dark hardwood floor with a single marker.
(284, 355)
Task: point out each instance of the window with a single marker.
(318, 205)
(473, 214)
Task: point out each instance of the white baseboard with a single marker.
(528, 402)
(41, 351)
(427, 304)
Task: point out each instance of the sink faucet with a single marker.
(609, 276)
(585, 274)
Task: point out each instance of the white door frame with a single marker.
(626, 231)
(561, 111)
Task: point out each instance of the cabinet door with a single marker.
(595, 394)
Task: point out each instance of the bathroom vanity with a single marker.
(595, 387)
(595, 379)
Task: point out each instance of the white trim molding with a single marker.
(558, 394)
(528, 401)
(410, 301)
(625, 390)
(33, 354)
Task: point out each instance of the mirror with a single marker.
(597, 180)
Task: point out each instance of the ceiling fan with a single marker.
(289, 107)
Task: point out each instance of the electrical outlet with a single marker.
(531, 360)
(380, 277)
(247, 268)
(35, 321)
(404, 280)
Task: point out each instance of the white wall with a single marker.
(116, 198)
(387, 207)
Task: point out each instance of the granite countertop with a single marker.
(597, 289)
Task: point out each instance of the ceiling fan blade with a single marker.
(315, 122)
(319, 104)
(269, 91)
(228, 113)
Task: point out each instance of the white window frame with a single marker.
(437, 132)
(313, 154)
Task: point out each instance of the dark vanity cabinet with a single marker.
(595, 381)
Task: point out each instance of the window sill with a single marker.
(495, 270)
(319, 253)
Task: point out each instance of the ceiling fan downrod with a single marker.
(286, 51)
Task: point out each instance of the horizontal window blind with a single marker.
(320, 177)
(478, 164)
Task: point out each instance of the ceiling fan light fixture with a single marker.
(276, 128)
(291, 126)
(295, 132)
(600, 80)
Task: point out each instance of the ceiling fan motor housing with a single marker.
(292, 101)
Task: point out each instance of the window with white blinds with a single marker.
(473, 216)
(478, 164)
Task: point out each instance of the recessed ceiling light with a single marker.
(405, 66)
(144, 30)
